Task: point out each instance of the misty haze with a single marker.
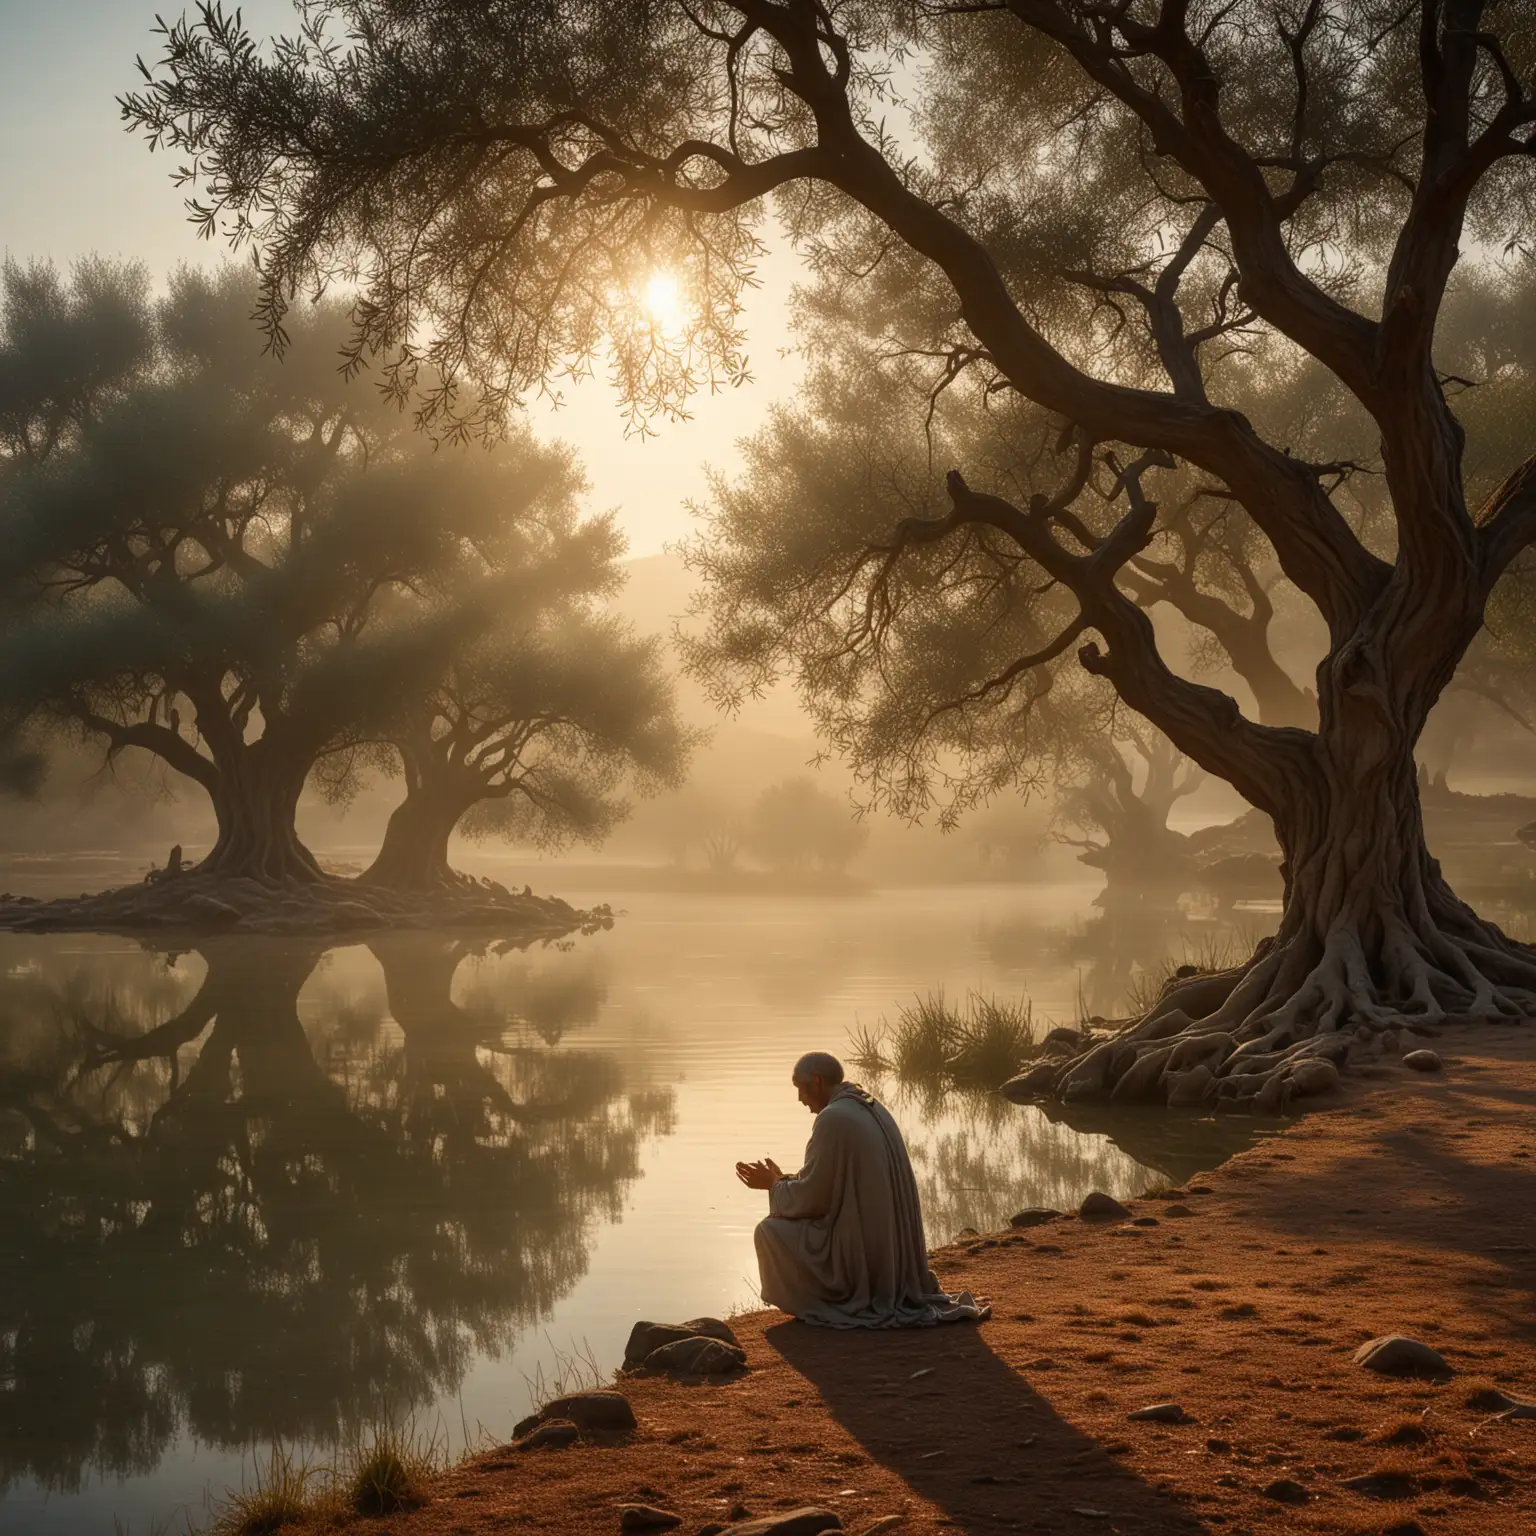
(588, 593)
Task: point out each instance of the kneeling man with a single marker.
(843, 1244)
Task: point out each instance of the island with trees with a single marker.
(258, 575)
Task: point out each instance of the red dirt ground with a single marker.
(1406, 1209)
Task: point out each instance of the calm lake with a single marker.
(276, 1189)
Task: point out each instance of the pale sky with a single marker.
(72, 181)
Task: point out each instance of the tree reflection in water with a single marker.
(979, 1158)
(219, 1221)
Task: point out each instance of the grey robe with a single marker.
(843, 1245)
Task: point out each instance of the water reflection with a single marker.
(979, 1158)
(265, 1189)
(223, 1221)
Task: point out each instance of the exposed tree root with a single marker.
(1306, 1004)
(198, 903)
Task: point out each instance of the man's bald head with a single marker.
(819, 1064)
(816, 1077)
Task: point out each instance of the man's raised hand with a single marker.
(762, 1175)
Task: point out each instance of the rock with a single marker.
(641, 1517)
(553, 1435)
(883, 1524)
(1177, 1210)
(965, 1235)
(645, 1338)
(599, 1412)
(714, 1528)
(1312, 1076)
(806, 1521)
(1146, 1221)
(1157, 1413)
(1382, 1485)
(1034, 1216)
(713, 1328)
(1422, 1061)
(1285, 1491)
(696, 1357)
(1191, 1088)
(1395, 1355)
(1101, 1207)
(1502, 1404)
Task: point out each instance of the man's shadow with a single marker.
(966, 1430)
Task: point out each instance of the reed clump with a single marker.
(387, 1469)
(285, 1490)
(978, 1045)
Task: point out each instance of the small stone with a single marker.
(807, 1521)
(1285, 1491)
(645, 1338)
(712, 1328)
(696, 1357)
(555, 1435)
(1177, 1210)
(1146, 1221)
(1157, 1413)
(599, 1412)
(1395, 1355)
(1101, 1207)
(1404, 1528)
(1422, 1061)
(642, 1517)
(1227, 1480)
(965, 1235)
(1035, 1216)
(1382, 1485)
(714, 1528)
(883, 1524)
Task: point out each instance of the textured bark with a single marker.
(256, 800)
(1372, 938)
(414, 853)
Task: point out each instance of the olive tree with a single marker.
(218, 559)
(1092, 203)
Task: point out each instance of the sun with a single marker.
(663, 301)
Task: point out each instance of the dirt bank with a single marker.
(1406, 1209)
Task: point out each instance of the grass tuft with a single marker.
(934, 1043)
(286, 1491)
(387, 1469)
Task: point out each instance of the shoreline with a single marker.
(1406, 1206)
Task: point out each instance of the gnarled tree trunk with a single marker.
(256, 800)
(1371, 938)
(414, 853)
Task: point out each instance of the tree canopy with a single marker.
(1101, 218)
(248, 568)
